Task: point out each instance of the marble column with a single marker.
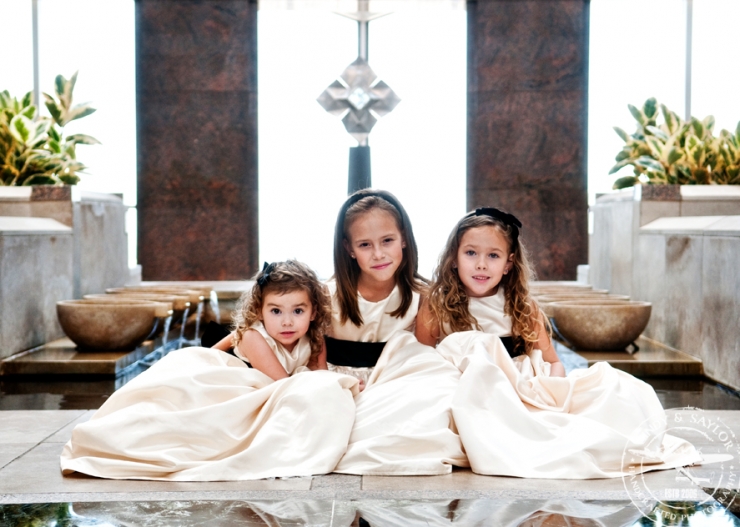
(197, 138)
(527, 123)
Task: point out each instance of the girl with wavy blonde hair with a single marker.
(281, 320)
(482, 283)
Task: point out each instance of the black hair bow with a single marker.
(265, 277)
(508, 219)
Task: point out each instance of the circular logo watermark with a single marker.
(712, 458)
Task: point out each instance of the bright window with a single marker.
(418, 150)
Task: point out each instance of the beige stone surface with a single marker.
(35, 272)
(653, 359)
(11, 451)
(65, 434)
(30, 472)
(38, 472)
(22, 426)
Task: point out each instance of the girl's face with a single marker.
(287, 317)
(482, 260)
(377, 244)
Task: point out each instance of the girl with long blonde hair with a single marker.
(482, 282)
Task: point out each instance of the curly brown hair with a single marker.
(448, 300)
(347, 271)
(281, 278)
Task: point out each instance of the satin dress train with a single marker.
(516, 420)
(200, 414)
(403, 423)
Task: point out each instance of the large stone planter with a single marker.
(100, 251)
(35, 272)
(618, 217)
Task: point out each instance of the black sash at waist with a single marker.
(351, 353)
(513, 347)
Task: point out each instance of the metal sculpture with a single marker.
(359, 98)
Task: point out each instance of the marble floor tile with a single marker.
(38, 472)
(63, 435)
(10, 451)
(22, 426)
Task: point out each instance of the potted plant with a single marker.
(34, 149)
(676, 151)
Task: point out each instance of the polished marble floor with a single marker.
(374, 513)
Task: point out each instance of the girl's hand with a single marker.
(362, 384)
(557, 369)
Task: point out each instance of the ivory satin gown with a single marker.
(200, 414)
(403, 424)
(516, 420)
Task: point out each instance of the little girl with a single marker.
(200, 414)
(403, 421)
(280, 323)
(482, 282)
(516, 413)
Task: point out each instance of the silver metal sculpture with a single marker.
(359, 98)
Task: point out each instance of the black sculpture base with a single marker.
(359, 169)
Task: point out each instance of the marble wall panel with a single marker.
(527, 104)
(650, 284)
(721, 309)
(100, 246)
(36, 271)
(683, 292)
(197, 139)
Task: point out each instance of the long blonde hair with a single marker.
(281, 278)
(448, 300)
(347, 271)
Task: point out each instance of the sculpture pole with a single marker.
(360, 98)
(360, 173)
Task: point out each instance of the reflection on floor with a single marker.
(375, 513)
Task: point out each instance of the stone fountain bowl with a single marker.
(601, 325)
(179, 302)
(103, 325)
(194, 295)
(546, 301)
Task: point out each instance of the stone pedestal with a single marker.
(35, 272)
(98, 222)
(687, 267)
(527, 123)
(196, 83)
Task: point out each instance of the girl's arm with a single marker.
(427, 325)
(319, 363)
(544, 344)
(253, 347)
(225, 343)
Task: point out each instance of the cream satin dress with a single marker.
(200, 414)
(516, 420)
(403, 423)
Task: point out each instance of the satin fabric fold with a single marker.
(403, 423)
(515, 420)
(202, 415)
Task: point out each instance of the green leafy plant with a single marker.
(35, 151)
(676, 151)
